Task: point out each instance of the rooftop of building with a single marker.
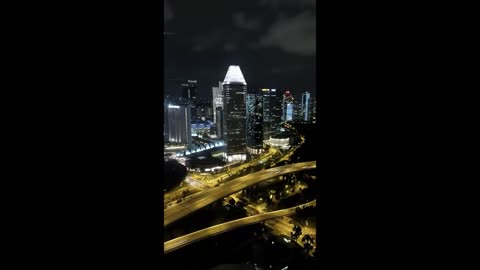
(234, 76)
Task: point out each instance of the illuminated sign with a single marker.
(173, 106)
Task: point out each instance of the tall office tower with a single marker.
(254, 124)
(297, 111)
(217, 99)
(277, 110)
(314, 109)
(289, 112)
(179, 124)
(234, 114)
(306, 107)
(272, 112)
(202, 109)
(189, 90)
(219, 120)
(165, 118)
(287, 107)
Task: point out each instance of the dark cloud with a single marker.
(209, 40)
(287, 69)
(273, 43)
(241, 21)
(296, 34)
(229, 47)
(288, 3)
(167, 12)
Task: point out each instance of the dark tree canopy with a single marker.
(174, 173)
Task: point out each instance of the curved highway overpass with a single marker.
(190, 238)
(204, 198)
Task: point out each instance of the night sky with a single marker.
(273, 42)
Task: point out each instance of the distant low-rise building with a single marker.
(280, 140)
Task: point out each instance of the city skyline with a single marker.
(239, 85)
(272, 41)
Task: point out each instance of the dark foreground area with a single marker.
(250, 246)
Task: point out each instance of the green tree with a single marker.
(173, 174)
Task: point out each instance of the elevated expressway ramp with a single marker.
(190, 238)
(204, 198)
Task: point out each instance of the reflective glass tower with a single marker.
(189, 90)
(272, 112)
(254, 124)
(306, 107)
(179, 124)
(287, 107)
(234, 113)
(217, 99)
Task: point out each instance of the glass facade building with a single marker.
(217, 99)
(254, 124)
(179, 124)
(287, 107)
(234, 114)
(272, 112)
(306, 107)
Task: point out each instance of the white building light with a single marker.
(234, 75)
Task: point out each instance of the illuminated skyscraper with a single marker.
(272, 112)
(179, 124)
(287, 107)
(289, 112)
(217, 99)
(234, 113)
(297, 111)
(165, 118)
(254, 124)
(314, 110)
(220, 122)
(306, 107)
(189, 90)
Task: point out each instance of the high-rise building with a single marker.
(179, 124)
(306, 107)
(234, 113)
(189, 90)
(203, 109)
(220, 123)
(217, 99)
(189, 96)
(254, 124)
(272, 112)
(314, 110)
(289, 112)
(287, 107)
(297, 111)
(165, 118)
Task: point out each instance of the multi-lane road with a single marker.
(185, 240)
(204, 198)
